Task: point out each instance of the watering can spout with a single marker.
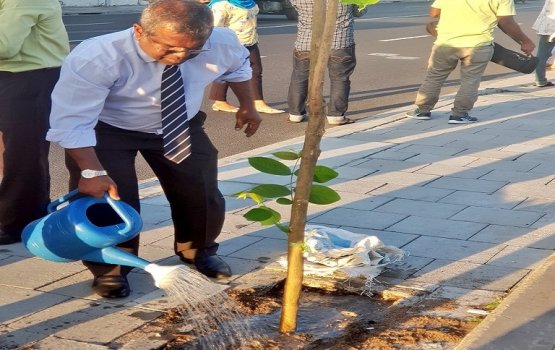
(116, 256)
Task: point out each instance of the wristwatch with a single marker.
(89, 173)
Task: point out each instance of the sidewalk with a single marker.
(473, 205)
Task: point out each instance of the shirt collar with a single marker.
(138, 48)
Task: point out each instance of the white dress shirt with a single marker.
(110, 78)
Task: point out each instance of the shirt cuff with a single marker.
(72, 138)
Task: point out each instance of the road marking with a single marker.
(402, 58)
(86, 24)
(381, 54)
(406, 38)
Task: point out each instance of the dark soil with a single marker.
(333, 320)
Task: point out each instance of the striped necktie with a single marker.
(175, 127)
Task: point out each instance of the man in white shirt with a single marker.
(107, 107)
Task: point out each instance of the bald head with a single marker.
(179, 16)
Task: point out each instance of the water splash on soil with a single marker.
(216, 323)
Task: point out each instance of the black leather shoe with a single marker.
(9, 239)
(211, 266)
(111, 286)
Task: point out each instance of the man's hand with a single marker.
(527, 47)
(248, 117)
(97, 186)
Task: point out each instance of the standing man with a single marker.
(341, 63)
(465, 34)
(33, 44)
(140, 90)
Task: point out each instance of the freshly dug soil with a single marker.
(333, 320)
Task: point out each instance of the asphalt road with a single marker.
(392, 53)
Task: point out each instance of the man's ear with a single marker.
(138, 31)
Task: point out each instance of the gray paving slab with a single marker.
(420, 208)
(470, 275)
(411, 192)
(400, 177)
(453, 171)
(538, 237)
(479, 199)
(437, 227)
(56, 343)
(475, 185)
(520, 257)
(498, 216)
(264, 249)
(452, 249)
(20, 302)
(357, 218)
(375, 164)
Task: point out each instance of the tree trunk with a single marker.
(323, 25)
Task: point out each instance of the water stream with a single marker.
(216, 323)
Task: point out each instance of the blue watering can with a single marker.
(67, 234)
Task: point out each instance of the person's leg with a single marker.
(218, 94)
(25, 186)
(473, 64)
(298, 87)
(340, 65)
(191, 187)
(544, 52)
(256, 82)
(443, 60)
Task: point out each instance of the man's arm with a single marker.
(86, 159)
(509, 26)
(247, 113)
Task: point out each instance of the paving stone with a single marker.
(467, 297)
(390, 165)
(508, 165)
(542, 237)
(35, 272)
(364, 202)
(435, 159)
(479, 199)
(230, 246)
(160, 200)
(353, 172)
(357, 186)
(452, 249)
(414, 192)
(520, 257)
(400, 177)
(540, 205)
(498, 216)
(15, 338)
(517, 176)
(157, 233)
(56, 343)
(437, 227)
(155, 254)
(18, 302)
(266, 249)
(469, 275)
(453, 171)
(393, 155)
(445, 151)
(17, 249)
(155, 214)
(475, 185)
(419, 208)
(357, 218)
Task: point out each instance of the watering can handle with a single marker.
(115, 204)
(122, 213)
(66, 197)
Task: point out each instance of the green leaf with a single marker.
(324, 174)
(256, 197)
(271, 191)
(284, 201)
(269, 166)
(241, 195)
(360, 3)
(286, 155)
(323, 195)
(273, 220)
(258, 214)
(283, 228)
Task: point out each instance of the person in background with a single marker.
(465, 35)
(140, 90)
(33, 44)
(341, 63)
(240, 16)
(545, 27)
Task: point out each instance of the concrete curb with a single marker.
(521, 321)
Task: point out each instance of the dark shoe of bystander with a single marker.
(418, 114)
(463, 119)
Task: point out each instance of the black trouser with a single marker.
(24, 111)
(191, 187)
(218, 91)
